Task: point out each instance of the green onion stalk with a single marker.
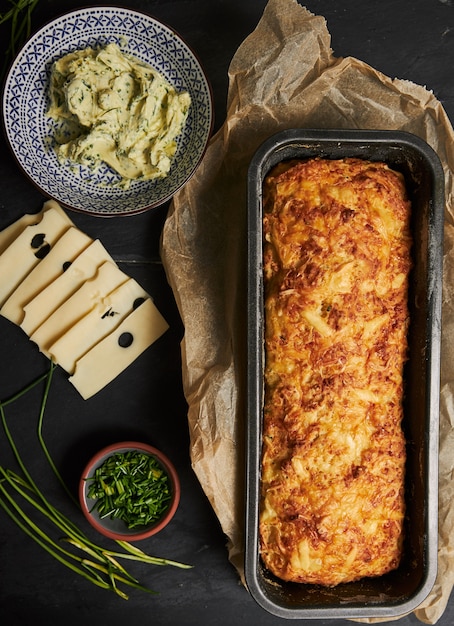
(19, 18)
(73, 548)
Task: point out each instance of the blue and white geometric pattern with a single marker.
(29, 131)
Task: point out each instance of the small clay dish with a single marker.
(129, 483)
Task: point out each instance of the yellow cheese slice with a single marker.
(96, 324)
(118, 350)
(11, 232)
(28, 248)
(67, 293)
(51, 297)
(90, 293)
(63, 253)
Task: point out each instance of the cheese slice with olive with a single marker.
(108, 358)
(105, 316)
(32, 244)
(11, 232)
(60, 257)
(84, 267)
(90, 294)
(70, 297)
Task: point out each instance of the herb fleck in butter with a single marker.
(117, 110)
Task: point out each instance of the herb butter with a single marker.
(110, 107)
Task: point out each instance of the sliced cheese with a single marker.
(31, 245)
(11, 232)
(97, 324)
(53, 204)
(63, 253)
(67, 293)
(85, 266)
(89, 295)
(118, 350)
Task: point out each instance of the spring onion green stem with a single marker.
(135, 552)
(26, 389)
(19, 17)
(18, 458)
(41, 438)
(17, 514)
(93, 562)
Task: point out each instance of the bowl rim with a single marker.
(146, 205)
(98, 458)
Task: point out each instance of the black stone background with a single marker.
(408, 39)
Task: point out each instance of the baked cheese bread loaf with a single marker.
(337, 257)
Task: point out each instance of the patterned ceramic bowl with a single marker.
(29, 129)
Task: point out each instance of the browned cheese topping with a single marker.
(337, 258)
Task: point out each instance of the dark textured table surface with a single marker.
(408, 39)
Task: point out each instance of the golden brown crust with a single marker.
(336, 265)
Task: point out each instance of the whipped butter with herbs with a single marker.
(112, 108)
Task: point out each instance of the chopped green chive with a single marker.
(131, 486)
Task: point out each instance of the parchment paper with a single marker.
(283, 75)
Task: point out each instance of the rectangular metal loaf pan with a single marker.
(403, 590)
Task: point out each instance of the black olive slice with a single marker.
(125, 340)
(37, 240)
(42, 251)
(137, 302)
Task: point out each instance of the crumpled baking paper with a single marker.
(283, 75)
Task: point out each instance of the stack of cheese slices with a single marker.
(71, 298)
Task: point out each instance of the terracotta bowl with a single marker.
(116, 528)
